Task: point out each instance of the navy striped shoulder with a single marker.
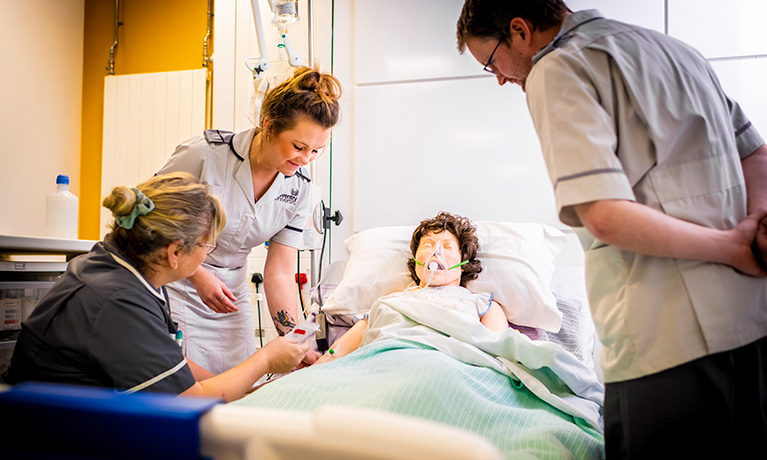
(301, 173)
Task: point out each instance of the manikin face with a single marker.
(451, 256)
(508, 63)
(296, 147)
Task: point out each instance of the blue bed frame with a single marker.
(54, 421)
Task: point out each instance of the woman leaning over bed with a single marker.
(259, 176)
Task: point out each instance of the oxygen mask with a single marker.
(435, 262)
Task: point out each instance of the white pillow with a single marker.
(377, 266)
(517, 267)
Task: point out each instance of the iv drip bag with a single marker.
(284, 12)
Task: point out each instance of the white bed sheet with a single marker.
(568, 286)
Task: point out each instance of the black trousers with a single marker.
(713, 407)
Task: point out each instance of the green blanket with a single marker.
(413, 379)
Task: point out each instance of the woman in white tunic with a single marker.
(259, 176)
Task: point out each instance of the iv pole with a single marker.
(294, 59)
(314, 260)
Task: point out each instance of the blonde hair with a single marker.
(309, 93)
(184, 210)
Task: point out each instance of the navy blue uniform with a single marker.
(102, 324)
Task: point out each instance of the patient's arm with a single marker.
(494, 319)
(345, 344)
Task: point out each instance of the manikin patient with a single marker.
(420, 360)
(444, 250)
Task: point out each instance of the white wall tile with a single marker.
(408, 40)
(645, 13)
(718, 29)
(466, 146)
(743, 81)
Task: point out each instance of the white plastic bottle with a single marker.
(61, 211)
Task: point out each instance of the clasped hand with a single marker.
(752, 258)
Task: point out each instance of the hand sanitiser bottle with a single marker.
(61, 211)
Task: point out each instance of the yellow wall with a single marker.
(155, 36)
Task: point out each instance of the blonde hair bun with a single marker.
(307, 93)
(177, 208)
(121, 201)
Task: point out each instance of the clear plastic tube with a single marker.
(432, 268)
(436, 261)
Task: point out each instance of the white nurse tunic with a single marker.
(220, 159)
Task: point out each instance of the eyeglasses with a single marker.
(490, 59)
(209, 248)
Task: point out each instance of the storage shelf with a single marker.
(39, 245)
(33, 267)
(31, 263)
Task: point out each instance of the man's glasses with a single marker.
(489, 62)
(208, 247)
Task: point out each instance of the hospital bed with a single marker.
(542, 292)
(293, 416)
(533, 390)
(49, 421)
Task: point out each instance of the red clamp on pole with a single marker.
(301, 280)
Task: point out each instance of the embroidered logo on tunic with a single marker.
(290, 199)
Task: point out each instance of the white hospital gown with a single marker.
(456, 298)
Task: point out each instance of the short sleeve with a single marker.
(577, 135)
(747, 138)
(484, 301)
(132, 344)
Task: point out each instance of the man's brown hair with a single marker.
(491, 18)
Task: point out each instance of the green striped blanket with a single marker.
(413, 379)
(531, 399)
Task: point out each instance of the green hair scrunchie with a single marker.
(143, 206)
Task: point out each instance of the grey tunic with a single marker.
(628, 113)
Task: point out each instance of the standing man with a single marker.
(666, 177)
